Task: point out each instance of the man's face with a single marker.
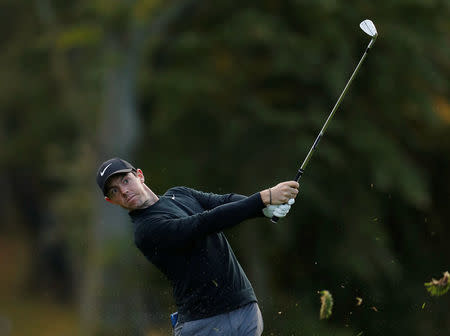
(127, 190)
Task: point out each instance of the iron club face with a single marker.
(369, 28)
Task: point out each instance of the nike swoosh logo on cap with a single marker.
(103, 171)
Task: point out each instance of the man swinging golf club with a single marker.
(180, 232)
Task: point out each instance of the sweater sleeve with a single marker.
(179, 232)
(209, 200)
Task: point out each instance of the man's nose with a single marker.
(123, 190)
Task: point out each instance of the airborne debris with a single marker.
(359, 301)
(326, 304)
(374, 308)
(438, 287)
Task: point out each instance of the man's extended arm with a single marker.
(178, 232)
(279, 194)
(209, 200)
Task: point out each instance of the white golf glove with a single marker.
(280, 210)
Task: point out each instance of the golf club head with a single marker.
(369, 28)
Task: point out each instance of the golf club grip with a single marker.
(300, 172)
(274, 219)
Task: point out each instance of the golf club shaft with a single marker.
(322, 131)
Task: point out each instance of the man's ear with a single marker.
(140, 175)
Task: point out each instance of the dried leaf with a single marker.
(326, 304)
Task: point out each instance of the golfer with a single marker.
(180, 232)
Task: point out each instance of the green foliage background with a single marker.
(228, 96)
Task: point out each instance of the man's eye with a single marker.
(113, 191)
(125, 181)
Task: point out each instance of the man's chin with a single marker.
(135, 204)
(130, 207)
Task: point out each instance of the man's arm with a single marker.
(210, 200)
(279, 194)
(179, 232)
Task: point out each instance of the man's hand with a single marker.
(281, 193)
(280, 210)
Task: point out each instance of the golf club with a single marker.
(369, 28)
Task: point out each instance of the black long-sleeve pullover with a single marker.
(181, 234)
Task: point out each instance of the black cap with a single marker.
(111, 167)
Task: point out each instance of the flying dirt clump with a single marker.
(438, 287)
